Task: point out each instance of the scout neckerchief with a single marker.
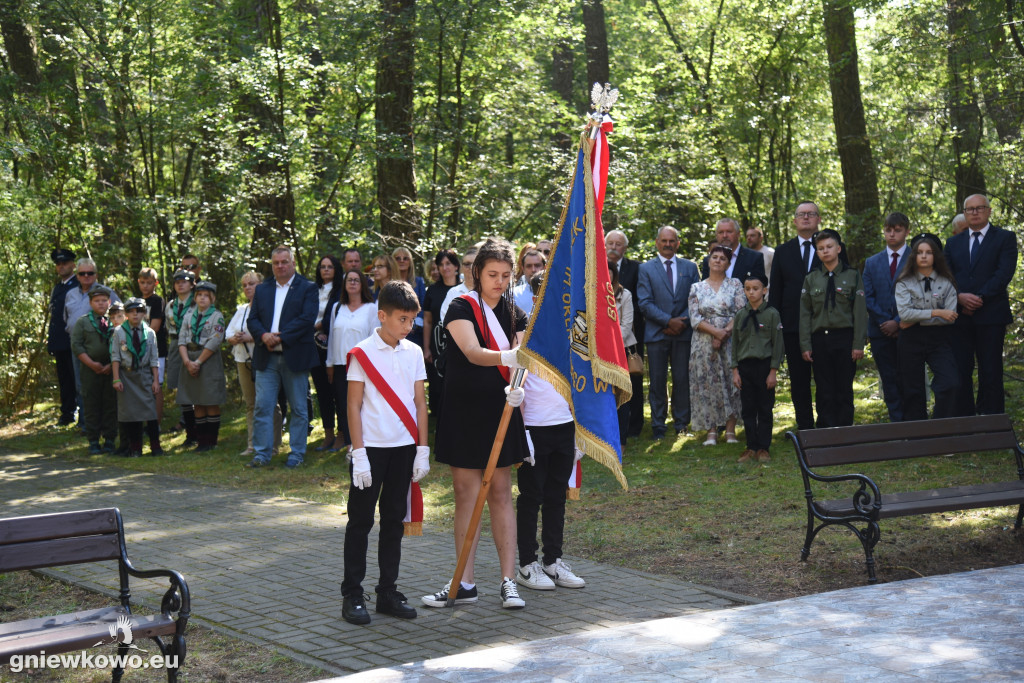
(103, 330)
(494, 336)
(178, 310)
(413, 521)
(752, 318)
(198, 323)
(129, 342)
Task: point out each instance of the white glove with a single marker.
(529, 442)
(421, 465)
(361, 478)
(514, 397)
(510, 358)
(579, 455)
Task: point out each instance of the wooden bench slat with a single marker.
(823, 456)
(77, 631)
(936, 500)
(897, 431)
(56, 552)
(57, 525)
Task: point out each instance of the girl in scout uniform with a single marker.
(926, 299)
(180, 306)
(90, 342)
(135, 364)
(201, 382)
(833, 324)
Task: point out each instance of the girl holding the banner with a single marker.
(486, 327)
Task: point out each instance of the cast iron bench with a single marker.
(66, 538)
(817, 448)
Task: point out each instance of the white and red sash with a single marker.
(494, 336)
(404, 406)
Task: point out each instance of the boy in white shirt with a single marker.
(387, 415)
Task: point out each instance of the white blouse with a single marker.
(240, 352)
(324, 293)
(348, 329)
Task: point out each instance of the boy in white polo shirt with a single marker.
(543, 482)
(387, 415)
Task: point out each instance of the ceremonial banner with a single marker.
(573, 340)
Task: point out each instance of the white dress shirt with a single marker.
(280, 292)
(382, 428)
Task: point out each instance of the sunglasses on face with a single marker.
(87, 273)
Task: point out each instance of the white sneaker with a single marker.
(510, 595)
(532, 576)
(562, 575)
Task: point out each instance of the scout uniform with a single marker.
(200, 331)
(176, 312)
(91, 336)
(757, 349)
(833, 322)
(135, 349)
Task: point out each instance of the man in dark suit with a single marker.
(58, 341)
(793, 259)
(744, 261)
(281, 323)
(615, 243)
(880, 273)
(663, 288)
(983, 259)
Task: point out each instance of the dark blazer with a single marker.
(747, 261)
(298, 315)
(659, 304)
(989, 277)
(878, 290)
(58, 338)
(629, 277)
(787, 282)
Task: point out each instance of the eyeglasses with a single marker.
(976, 209)
(352, 280)
(87, 273)
(467, 264)
(380, 265)
(189, 267)
(401, 258)
(807, 214)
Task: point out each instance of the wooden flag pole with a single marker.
(518, 375)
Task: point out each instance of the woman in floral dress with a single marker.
(713, 303)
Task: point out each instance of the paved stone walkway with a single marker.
(960, 627)
(268, 569)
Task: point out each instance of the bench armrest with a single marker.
(176, 599)
(867, 499)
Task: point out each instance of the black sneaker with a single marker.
(395, 604)
(353, 610)
(440, 598)
(510, 595)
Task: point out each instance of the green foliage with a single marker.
(223, 128)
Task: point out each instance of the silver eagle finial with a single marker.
(602, 98)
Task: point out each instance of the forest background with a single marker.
(135, 131)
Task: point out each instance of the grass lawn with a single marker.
(691, 511)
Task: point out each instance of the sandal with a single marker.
(730, 437)
(712, 439)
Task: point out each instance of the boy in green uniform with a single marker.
(757, 350)
(833, 325)
(90, 342)
(135, 364)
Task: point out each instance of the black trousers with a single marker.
(542, 489)
(757, 402)
(800, 373)
(636, 402)
(391, 471)
(66, 383)
(920, 345)
(984, 342)
(833, 376)
(885, 352)
(324, 392)
(340, 388)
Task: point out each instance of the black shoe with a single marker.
(190, 443)
(65, 420)
(121, 451)
(353, 610)
(395, 604)
(94, 448)
(157, 450)
(657, 437)
(108, 447)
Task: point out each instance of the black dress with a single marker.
(474, 398)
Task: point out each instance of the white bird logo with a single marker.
(124, 625)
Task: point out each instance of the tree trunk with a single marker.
(964, 113)
(597, 42)
(19, 43)
(396, 179)
(859, 182)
